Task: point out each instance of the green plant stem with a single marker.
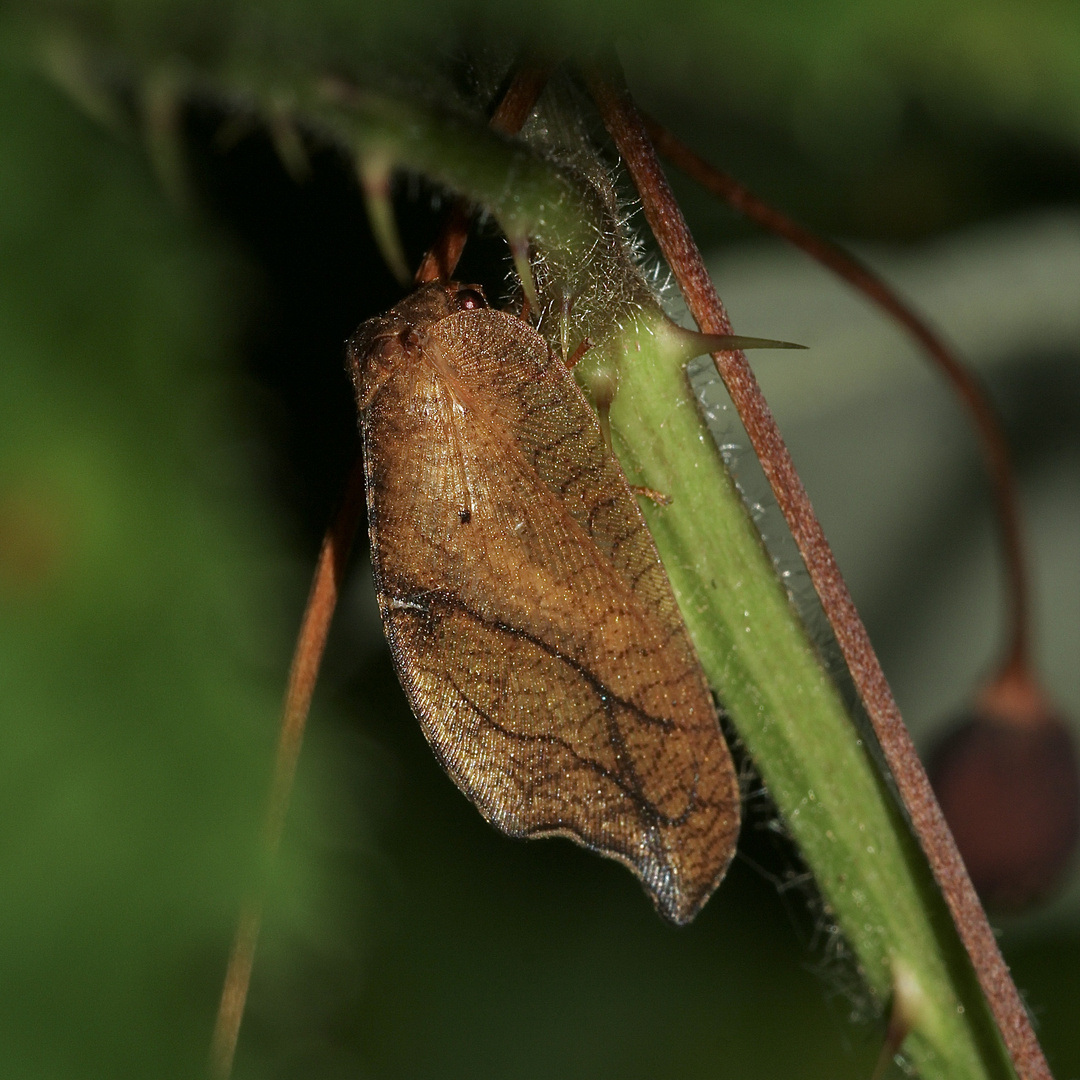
(666, 221)
(825, 784)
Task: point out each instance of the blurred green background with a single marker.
(174, 430)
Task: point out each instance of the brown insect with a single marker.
(529, 617)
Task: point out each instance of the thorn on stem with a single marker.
(374, 171)
(519, 249)
(909, 1006)
(161, 109)
(288, 143)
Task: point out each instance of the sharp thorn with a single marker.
(375, 183)
(288, 143)
(161, 101)
(519, 249)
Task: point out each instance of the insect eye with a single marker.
(470, 300)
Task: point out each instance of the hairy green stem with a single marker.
(770, 679)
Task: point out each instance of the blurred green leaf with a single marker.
(137, 658)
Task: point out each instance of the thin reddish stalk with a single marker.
(662, 212)
(307, 657)
(988, 426)
(510, 114)
(442, 257)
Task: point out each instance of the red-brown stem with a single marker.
(307, 656)
(988, 426)
(235, 990)
(442, 257)
(530, 78)
(510, 114)
(662, 212)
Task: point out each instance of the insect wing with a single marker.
(530, 620)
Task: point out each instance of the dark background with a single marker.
(175, 429)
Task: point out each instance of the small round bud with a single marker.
(1007, 781)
